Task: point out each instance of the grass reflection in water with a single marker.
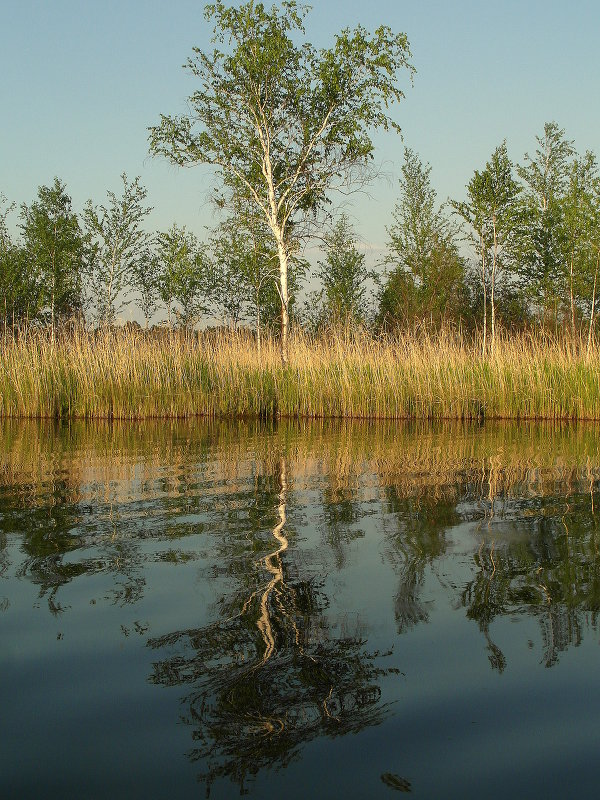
(270, 668)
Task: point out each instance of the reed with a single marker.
(125, 374)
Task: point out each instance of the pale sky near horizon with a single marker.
(83, 79)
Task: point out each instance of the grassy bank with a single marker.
(126, 375)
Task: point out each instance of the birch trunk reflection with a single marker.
(269, 675)
(274, 566)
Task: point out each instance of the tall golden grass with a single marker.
(125, 374)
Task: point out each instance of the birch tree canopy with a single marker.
(283, 122)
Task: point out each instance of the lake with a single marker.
(307, 609)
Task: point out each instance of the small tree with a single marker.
(53, 249)
(145, 283)
(19, 292)
(119, 244)
(443, 296)
(578, 222)
(541, 241)
(231, 264)
(5, 209)
(492, 213)
(246, 267)
(183, 276)
(283, 122)
(427, 275)
(344, 276)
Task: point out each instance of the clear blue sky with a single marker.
(81, 80)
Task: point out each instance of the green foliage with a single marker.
(442, 297)
(118, 247)
(541, 247)
(417, 226)
(145, 284)
(19, 293)
(53, 253)
(344, 277)
(284, 123)
(5, 210)
(581, 217)
(557, 258)
(245, 271)
(316, 107)
(183, 276)
(493, 216)
(491, 209)
(427, 280)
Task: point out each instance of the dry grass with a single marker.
(128, 375)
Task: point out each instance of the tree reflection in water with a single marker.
(420, 539)
(550, 571)
(271, 673)
(269, 678)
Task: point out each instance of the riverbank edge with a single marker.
(126, 375)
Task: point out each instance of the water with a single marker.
(325, 610)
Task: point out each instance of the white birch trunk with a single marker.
(283, 290)
(483, 281)
(589, 341)
(493, 287)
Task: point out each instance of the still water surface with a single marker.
(306, 610)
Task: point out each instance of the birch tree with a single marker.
(183, 276)
(545, 175)
(145, 283)
(284, 123)
(492, 213)
(594, 244)
(579, 224)
(20, 295)
(119, 244)
(245, 271)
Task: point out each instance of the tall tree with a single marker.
(283, 122)
(492, 212)
(594, 244)
(427, 272)
(19, 292)
(119, 244)
(578, 222)
(54, 251)
(546, 177)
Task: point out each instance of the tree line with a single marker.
(91, 267)
(285, 126)
(522, 250)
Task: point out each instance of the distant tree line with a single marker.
(92, 267)
(522, 250)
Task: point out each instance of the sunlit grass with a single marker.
(125, 374)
